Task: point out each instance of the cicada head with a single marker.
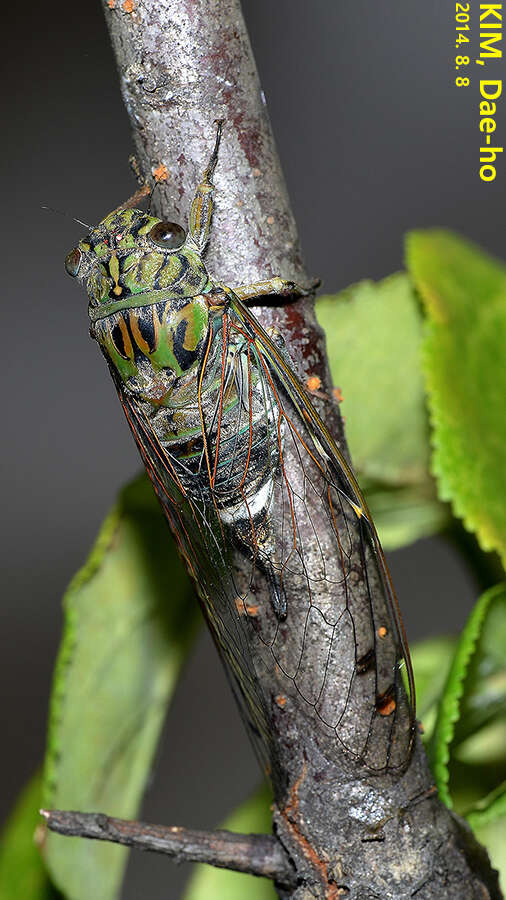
(146, 284)
(131, 253)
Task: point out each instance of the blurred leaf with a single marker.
(23, 875)
(486, 746)
(488, 821)
(373, 333)
(484, 701)
(209, 883)
(431, 661)
(464, 292)
(404, 515)
(129, 616)
(473, 692)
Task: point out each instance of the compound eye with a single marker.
(168, 235)
(73, 262)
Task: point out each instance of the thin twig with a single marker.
(254, 854)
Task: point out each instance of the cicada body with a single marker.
(240, 461)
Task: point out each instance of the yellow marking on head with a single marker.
(114, 270)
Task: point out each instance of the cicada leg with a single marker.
(134, 200)
(279, 286)
(202, 205)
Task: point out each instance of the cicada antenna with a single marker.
(59, 212)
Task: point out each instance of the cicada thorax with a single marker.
(156, 346)
(203, 393)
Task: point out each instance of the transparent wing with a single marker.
(209, 558)
(271, 501)
(340, 640)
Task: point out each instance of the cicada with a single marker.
(299, 602)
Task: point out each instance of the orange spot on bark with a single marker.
(129, 6)
(313, 383)
(270, 220)
(337, 394)
(382, 631)
(111, 4)
(385, 705)
(161, 172)
(280, 700)
(256, 173)
(243, 609)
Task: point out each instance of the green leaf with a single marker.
(373, 333)
(464, 293)
(208, 883)
(488, 821)
(129, 616)
(23, 875)
(473, 693)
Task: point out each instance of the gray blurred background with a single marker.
(368, 120)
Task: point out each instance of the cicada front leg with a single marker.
(278, 286)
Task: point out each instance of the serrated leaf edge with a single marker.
(492, 807)
(438, 469)
(449, 705)
(437, 419)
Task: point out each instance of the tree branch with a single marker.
(253, 854)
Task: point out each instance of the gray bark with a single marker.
(253, 854)
(182, 65)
